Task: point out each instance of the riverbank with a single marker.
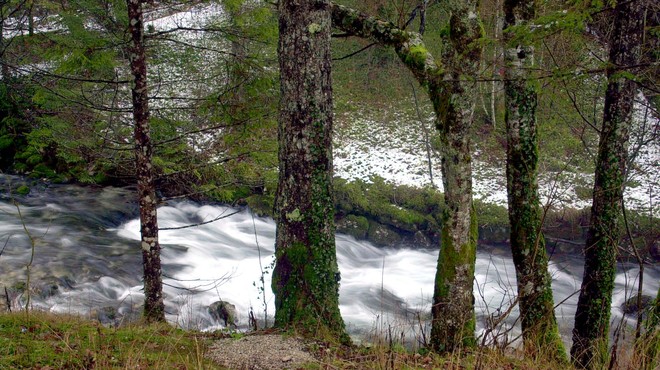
(40, 340)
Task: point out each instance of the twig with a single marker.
(427, 140)
(200, 223)
(640, 263)
(212, 283)
(5, 246)
(28, 267)
(355, 52)
(8, 300)
(262, 278)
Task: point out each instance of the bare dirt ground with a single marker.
(261, 352)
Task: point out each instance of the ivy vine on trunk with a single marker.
(539, 325)
(592, 318)
(306, 274)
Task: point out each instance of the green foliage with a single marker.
(490, 214)
(29, 144)
(13, 124)
(404, 207)
(356, 226)
(81, 130)
(90, 47)
(649, 343)
(23, 190)
(548, 24)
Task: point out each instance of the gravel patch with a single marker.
(261, 352)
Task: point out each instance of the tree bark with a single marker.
(4, 67)
(306, 276)
(539, 325)
(590, 334)
(154, 308)
(450, 88)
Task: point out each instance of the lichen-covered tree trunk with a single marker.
(450, 88)
(453, 299)
(592, 319)
(539, 325)
(154, 308)
(306, 275)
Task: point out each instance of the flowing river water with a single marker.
(87, 261)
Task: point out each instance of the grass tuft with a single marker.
(48, 341)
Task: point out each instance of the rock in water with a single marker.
(631, 307)
(224, 312)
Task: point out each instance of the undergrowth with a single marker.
(46, 341)
(43, 340)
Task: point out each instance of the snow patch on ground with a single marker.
(396, 152)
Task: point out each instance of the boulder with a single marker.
(631, 306)
(382, 235)
(654, 251)
(356, 226)
(107, 315)
(420, 240)
(494, 234)
(223, 312)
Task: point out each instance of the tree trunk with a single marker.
(239, 65)
(592, 319)
(539, 325)
(450, 89)
(453, 299)
(30, 17)
(4, 68)
(306, 275)
(154, 309)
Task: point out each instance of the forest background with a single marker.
(66, 113)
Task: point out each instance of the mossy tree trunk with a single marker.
(539, 325)
(450, 88)
(154, 308)
(306, 275)
(453, 299)
(592, 319)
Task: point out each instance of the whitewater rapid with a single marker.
(88, 259)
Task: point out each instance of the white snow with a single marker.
(396, 152)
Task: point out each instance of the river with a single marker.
(87, 261)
